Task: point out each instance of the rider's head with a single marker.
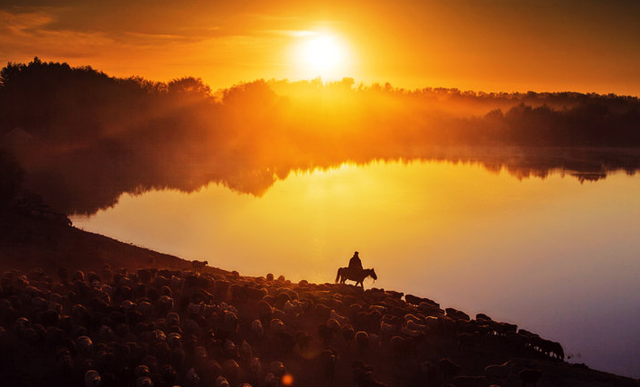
(356, 253)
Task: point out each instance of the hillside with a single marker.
(129, 316)
(43, 239)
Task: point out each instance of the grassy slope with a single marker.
(27, 242)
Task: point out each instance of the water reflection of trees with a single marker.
(84, 138)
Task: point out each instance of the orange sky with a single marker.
(493, 45)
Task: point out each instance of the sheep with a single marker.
(191, 378)
(141, 370)
(239, 294)
(362, 341)
(328, 360)
(277, 368)
(322, 311)
(334, 325)
(158, 336)
(281, 299)
(419, 300)
(182, 335)
(414, 326)
(340, 319)
(265, 311)
(65, 362)
(169, 374)
(200, 354)
(230, 349)
(285, 342)
(255, 367)
(246, 352)
(92, 378)
(411, 299)
(280, 315)
(291, 309)
(230, 323)
(145, 308)
(195, 309)
(399, 346)
(231, 371)
(197, 266)
(144, 381)
(165, 304)
(177, 283)
(529, 376)
(77, 275)
(416, 335)
(379, 308)
(325, 333)
(348, 334)
(276, 326)
(457, 314)
(551, 348)
(211, 371)
(257, 331)
(172, 319)
(270, 380)
(386, 331)
(498, 371)
(221, 382)
(84, 345)
(430, 310)
(174, 340)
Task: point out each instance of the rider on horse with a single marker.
(355, 272)
(355, 265)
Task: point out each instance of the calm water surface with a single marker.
(556, 256)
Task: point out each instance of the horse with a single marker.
(344, 274)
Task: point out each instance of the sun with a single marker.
(322, 55)
(323, 52)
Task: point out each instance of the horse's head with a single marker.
(372, 273)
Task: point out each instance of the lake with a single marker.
(558, 255)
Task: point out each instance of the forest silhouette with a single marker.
(80, 138)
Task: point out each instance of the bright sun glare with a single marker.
(323, 52)
(322, 55)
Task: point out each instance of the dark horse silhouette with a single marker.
(344, 274)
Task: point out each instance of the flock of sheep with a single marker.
(185, 328)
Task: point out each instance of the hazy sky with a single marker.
(492, 45)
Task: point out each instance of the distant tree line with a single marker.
(81, 138)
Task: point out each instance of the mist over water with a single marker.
(556, 255)
(83, 138)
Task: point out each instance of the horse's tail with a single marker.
(338, 275)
